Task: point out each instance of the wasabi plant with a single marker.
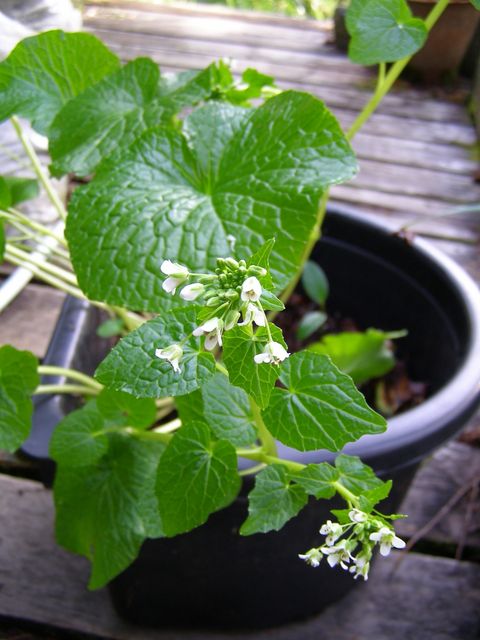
(198, 215)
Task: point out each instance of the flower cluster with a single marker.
(353, 552)
(231, 296)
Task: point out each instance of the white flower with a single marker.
(251, 290)
(332, 530)
(212, 330)
(361, 565)
(177, 275)
(192, 291)
(387, 539)
(273, 353)
(253, 314)
(338, 554)
(312, 557)
(173, 353)
(357, 516)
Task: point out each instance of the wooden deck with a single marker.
(417, 158)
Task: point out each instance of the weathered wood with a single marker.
(28, 322)
(452, 473)
(423, 597)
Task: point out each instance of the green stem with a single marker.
(149, 435)
(66, 388)
(37, 167)
(48, 370)
(168, 427)
(36, 226)
(221, 368)
(269, 446)
(259, 455)
(56, 271)
(347, 495)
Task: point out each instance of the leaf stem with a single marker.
(43, 263)
(347, 495)
(66, 388)
(269, 446)
(149, 435)
(12, 215)
(38, 169)
(48, 370)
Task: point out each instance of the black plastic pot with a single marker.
(212, 577)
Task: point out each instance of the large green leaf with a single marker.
(197, 476)
(225, 408)
(476, 4)
(105, 511)
(44, 72)
(132, 366)
(318, 479)
(320, 407)
(383, 31)
(108, 117)
(123, 409)
(80, 438)
(246, 175)
(362, 355)
(273, 501)
(240, 346)
(18, 379)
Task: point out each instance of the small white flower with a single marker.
(173, 353)
(357, 516)
(253, 314)
(273, 353)
(387, 539)
(251, 290)
(333, 530)
(311, 557)
(338, 554)
(232, 241)
(361, 565)
(177, 275)
(192, 291)
(174, 269)
(212, 330)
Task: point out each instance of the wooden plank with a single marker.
(452, 473)
(423, 597)
(28, 322)
(207, 27)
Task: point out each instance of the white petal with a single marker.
(251, 289)
(258, 317)
(170, 284)
(211, 341)
(398, 543)
(332, 560)
(170, 268)
(385, 548)
(192, 291)
(262, 358)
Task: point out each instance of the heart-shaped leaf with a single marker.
(383, 31)
(320, 407)
(236, 177)
(132, 366)
(44, 72)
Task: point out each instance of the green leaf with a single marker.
(188, 88)
(80, 439)
(122, 409)
(44, 72)
(132, 366)
(370, 498)
(197, 476)
(319, 408)
(110, 328)
(14, 190)
(476, 4)
(317, 479)
(310, 323)
(18, 380)
(383, 31)
(356, 476)
(250, 87)
(225, 408)
(270, 302)
(240, 346)
(273, 501)
(107, 117)
(361, 355)
(105, 511)
(261, 258)
(185, 196)
(315, 283)
(228, 411)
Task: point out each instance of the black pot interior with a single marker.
(377, 280)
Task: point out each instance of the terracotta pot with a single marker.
(448, 41)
